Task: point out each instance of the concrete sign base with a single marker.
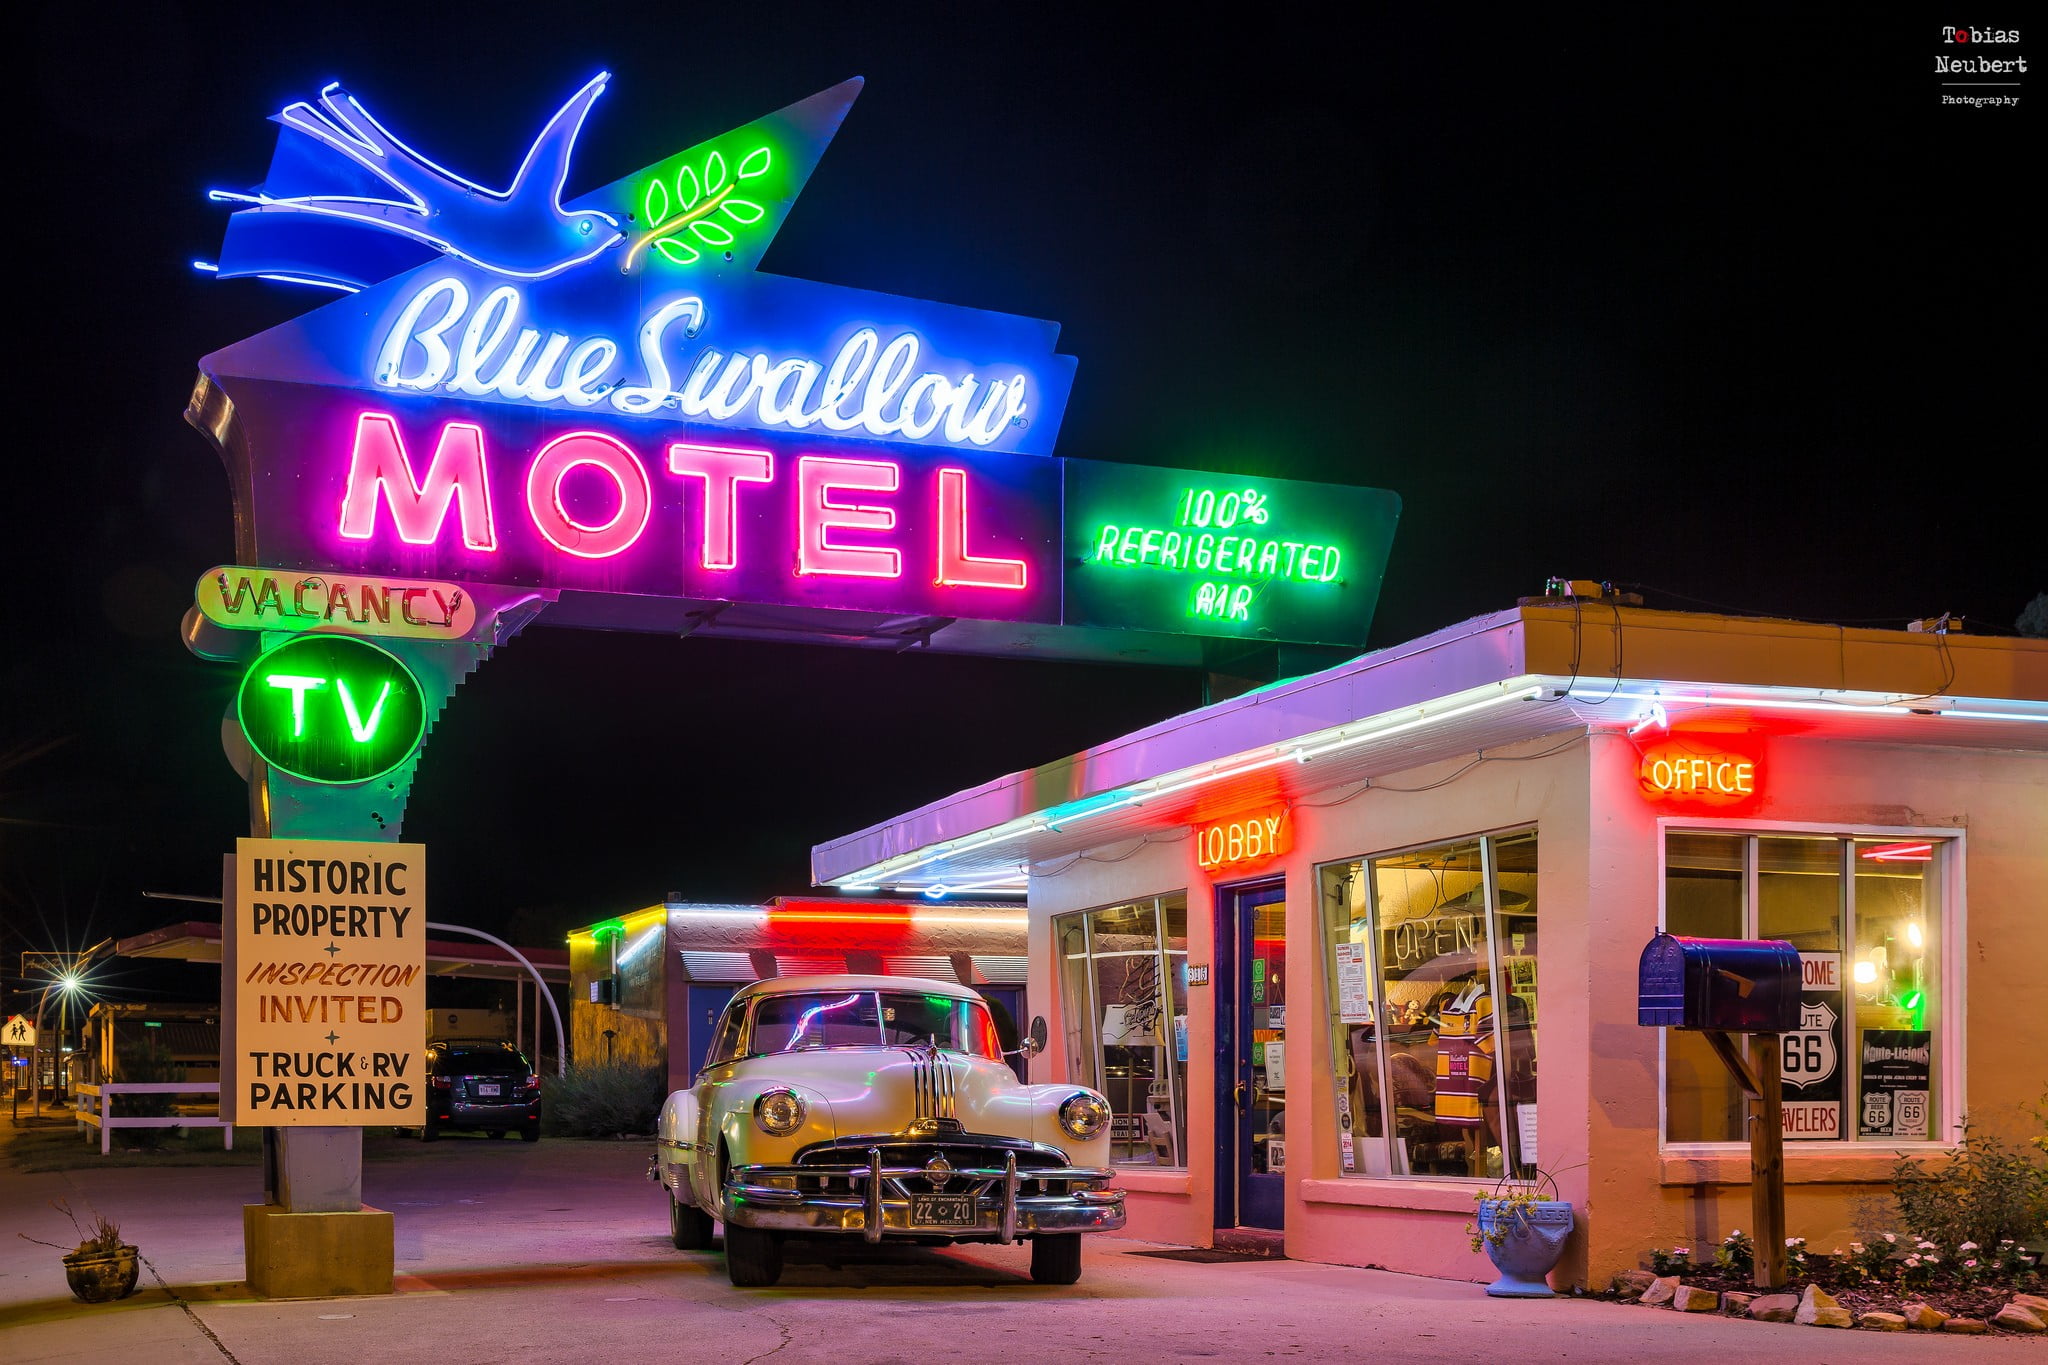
(316, 1255)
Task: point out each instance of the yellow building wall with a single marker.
(638, 1038)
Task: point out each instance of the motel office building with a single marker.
(1348, 949)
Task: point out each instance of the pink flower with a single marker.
(1967, 1246)
(1971, 1263)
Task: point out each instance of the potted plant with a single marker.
(1522, 1227)
(102, 1267)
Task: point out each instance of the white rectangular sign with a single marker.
(329, 961)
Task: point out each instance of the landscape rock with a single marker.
(1969, 1327)
(1691, 1299)
(1630, 1284)
(2033, 1303)
(1818, 1308)
(2014, 1318)
(1774, 1307)
(1919, 1315)
(1736, 1303)
(1661, 1290)
(1882, 1322)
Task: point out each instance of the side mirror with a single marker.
(1034, 1041)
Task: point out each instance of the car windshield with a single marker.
(803, 1022)
(482, 1062)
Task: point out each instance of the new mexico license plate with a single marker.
(942, 1210)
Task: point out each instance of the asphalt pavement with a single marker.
(559, 1251)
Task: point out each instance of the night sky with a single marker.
(1725, 308)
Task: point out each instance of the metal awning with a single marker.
(1559, 669)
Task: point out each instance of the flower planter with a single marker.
(102, 1276)
(1524, 1239)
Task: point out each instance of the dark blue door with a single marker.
(1251, 1023)
(706, 1004)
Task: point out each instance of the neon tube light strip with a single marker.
(883, 873)
(1381, 731)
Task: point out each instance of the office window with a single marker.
(1866, 916)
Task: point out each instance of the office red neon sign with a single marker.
(1691, 773)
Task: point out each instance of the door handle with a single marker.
(1237, 1096)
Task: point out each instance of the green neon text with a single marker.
(300, 684)
(1206, 552)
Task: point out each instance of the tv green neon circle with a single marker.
(331, 709)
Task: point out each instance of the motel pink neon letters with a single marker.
(845, 520)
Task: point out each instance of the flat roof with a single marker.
(1550, 666)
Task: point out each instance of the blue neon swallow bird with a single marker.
(349, 203)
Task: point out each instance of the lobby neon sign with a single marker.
(1239, 840)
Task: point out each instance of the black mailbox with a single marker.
(1735, 985)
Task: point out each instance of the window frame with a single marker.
(1171, 960)
(1489, 882)
(1951, 858)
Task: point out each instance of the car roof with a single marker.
(794, 985)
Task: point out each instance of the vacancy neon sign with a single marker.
(592, 495)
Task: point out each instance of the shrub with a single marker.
(145, 1061)
(1736, 1254)
(1676, 1261)
(603, 1099)
(1987, 1192)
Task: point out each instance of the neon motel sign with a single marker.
(602, 398)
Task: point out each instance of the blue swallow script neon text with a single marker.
(443, 340)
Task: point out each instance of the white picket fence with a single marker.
(101, 1115)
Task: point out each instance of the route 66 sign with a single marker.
(1810, 1055)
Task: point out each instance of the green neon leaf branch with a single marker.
(693, 207)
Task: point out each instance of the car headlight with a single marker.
(1083, 1115)
(779, 1112)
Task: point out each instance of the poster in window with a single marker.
(1354, 997)
(1810, 1062)
(1897, 1073)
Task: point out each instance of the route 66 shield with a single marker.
(1810, 1056)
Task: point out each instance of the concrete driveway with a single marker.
(559, 1251)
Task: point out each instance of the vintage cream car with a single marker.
(878, 1107)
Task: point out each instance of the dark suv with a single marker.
(480, 1084)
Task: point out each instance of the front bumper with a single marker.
(874, 1200)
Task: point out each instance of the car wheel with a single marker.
(1056, 1260)
(753, 1257)
(531, 1134)
(689, 1227)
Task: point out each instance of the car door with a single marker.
(706, 1088)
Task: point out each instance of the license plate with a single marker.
(942, 1210)
(487, 1090)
